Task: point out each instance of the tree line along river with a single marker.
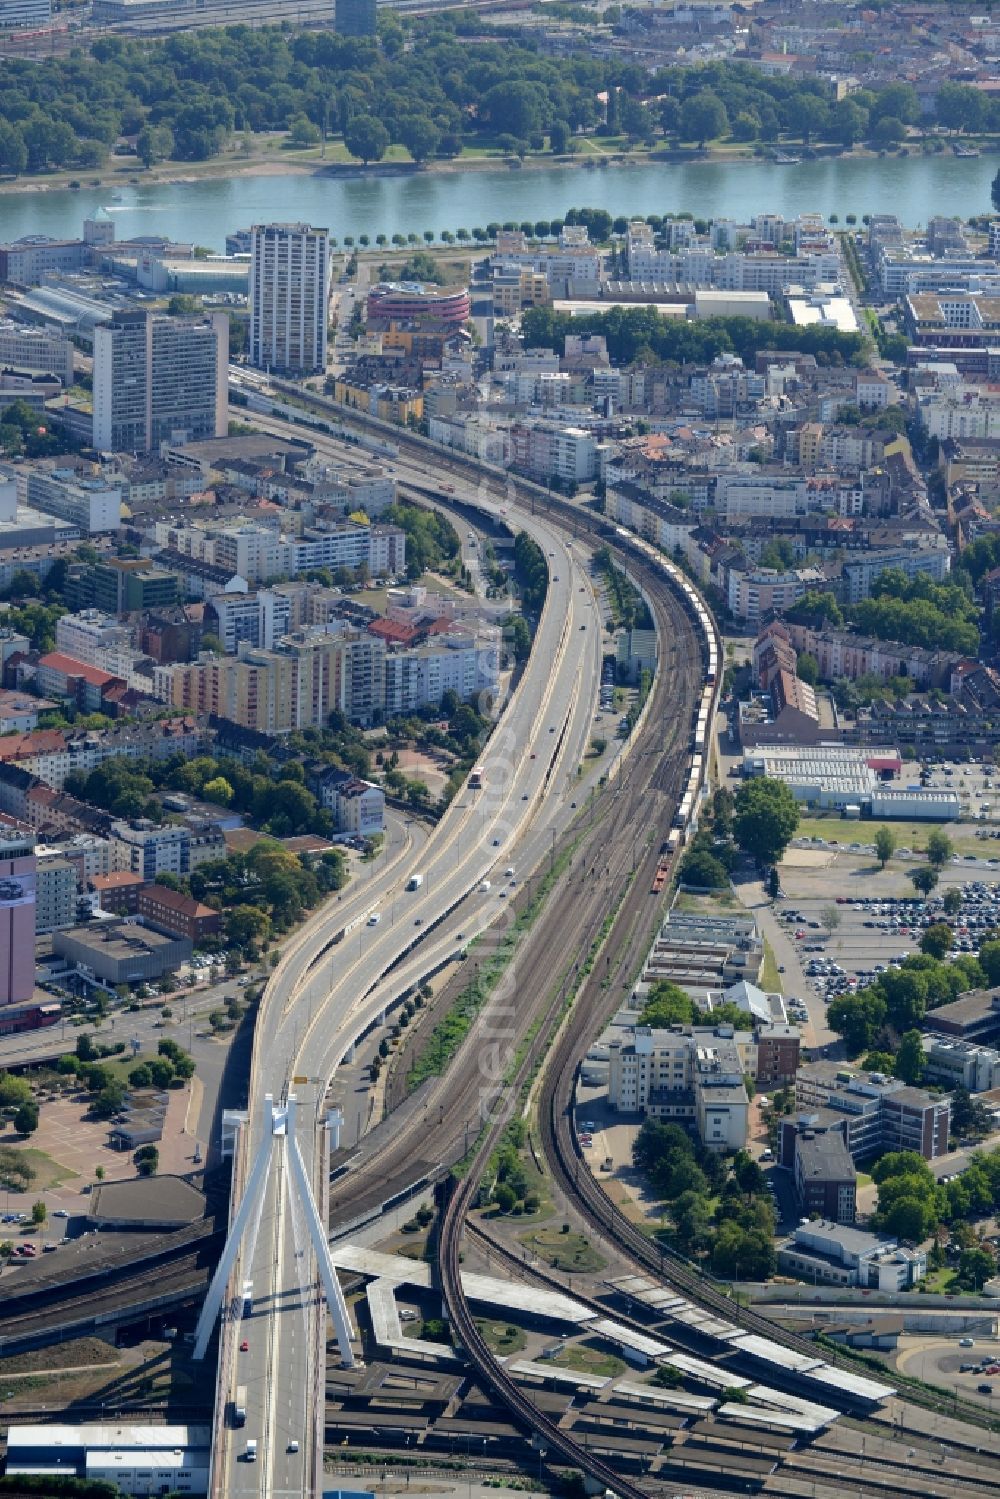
(203, 211)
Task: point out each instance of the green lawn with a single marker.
(502, 1337)
(940, 1281)
(48, 1172)
(770, 978)
(589, 1358)
(571, 1253)
(908, 834)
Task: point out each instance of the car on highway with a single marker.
(966, 1342)
(985, 1389)
(375, 918)
(60, 1213)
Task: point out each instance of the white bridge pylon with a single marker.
(278, 1123)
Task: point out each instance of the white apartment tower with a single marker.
(158, 379)
(289, 282)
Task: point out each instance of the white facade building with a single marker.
(694, 1077)
(159, 378)
(289, 287)
(89, 503)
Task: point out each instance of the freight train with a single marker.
(699, 742)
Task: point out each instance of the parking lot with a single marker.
(973, 1371)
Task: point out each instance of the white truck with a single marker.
(414, 882)
(251, 1452)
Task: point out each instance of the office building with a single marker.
(17, 913)
(159, 379)
(355, 17)
(818, 1157)
(838, 1255)
(82, 499)
(691, 1077)
(358, 806)
(138, 1459)
(289, 281)
(24, 15)
(881, 1113)
(26, 348)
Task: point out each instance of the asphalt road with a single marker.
(316, 1006)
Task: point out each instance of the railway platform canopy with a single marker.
(397, 1270)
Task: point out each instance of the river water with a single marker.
(913, 187)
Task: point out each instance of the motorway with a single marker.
(318, 1002)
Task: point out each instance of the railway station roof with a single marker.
(527, 1369)
(512, 1296)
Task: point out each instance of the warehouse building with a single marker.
(852, 780)
(139, 1459)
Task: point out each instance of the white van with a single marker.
(251, 1452)
(484, 885)
(374, 918)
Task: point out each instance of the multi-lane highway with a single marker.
(318, 1001)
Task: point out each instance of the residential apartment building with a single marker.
(358, 806)
(860, 572)
(462, 663)
(18, 875)
(142, 847)
(882, 1113)
(56, 893)
(90, 635)
(289, 287)
(693, 1078)
(296, 686)
(159, 379)
(181, 916)
(753, 592)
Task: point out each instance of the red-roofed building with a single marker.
(62, 676)
(118, 891)
(179, 915)
(393, 633)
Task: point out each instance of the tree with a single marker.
(766, 816)
(85, 1049)
(909, 1063)
(858, 1018)
(302, 131)
(39, 1212)
(154, 143)
(26, 1118)
(807, 669)
(848, 122)
(667, 1005)
(831, 918)
(924, 879)
(504, 1196)
(140, 1077)
(937, 940)
(952, 900)
(961, 107)
(559, 137)
(939, 848)
(885, 843)
(976, 1267)
(419, 135)
(703, 117)
(888, 132)
(367, 138)
(218, 790)
(703, 870)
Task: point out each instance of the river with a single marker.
(913, 187)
